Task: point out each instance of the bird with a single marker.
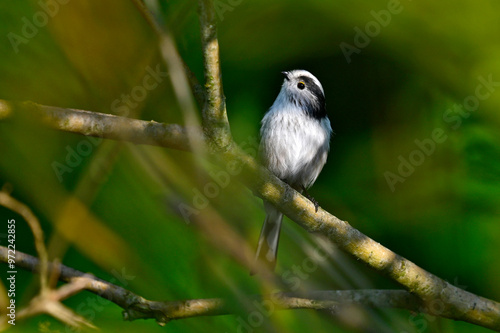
(295, 141)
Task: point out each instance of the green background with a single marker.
(116, 212)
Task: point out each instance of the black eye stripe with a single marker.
(316, 109)
(308, 81)
(312, 86)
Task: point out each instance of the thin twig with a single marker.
(9, 202)
(48, 300)
(184, 82)
(196, 87)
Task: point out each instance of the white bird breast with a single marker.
(294, 146)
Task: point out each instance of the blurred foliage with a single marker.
(115, 215)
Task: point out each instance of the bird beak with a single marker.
(286, 75)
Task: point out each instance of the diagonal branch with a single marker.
(197, 89)
(456, 303)
(184, 81)
(137, 307)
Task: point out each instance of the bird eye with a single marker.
(301, 85)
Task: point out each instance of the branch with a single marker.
(102, 125)
(137, 307)
(458, 304)
(215, 123)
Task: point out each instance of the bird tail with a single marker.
(267, 249)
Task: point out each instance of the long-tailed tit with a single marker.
(295, 139)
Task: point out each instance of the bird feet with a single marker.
(308, 196)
